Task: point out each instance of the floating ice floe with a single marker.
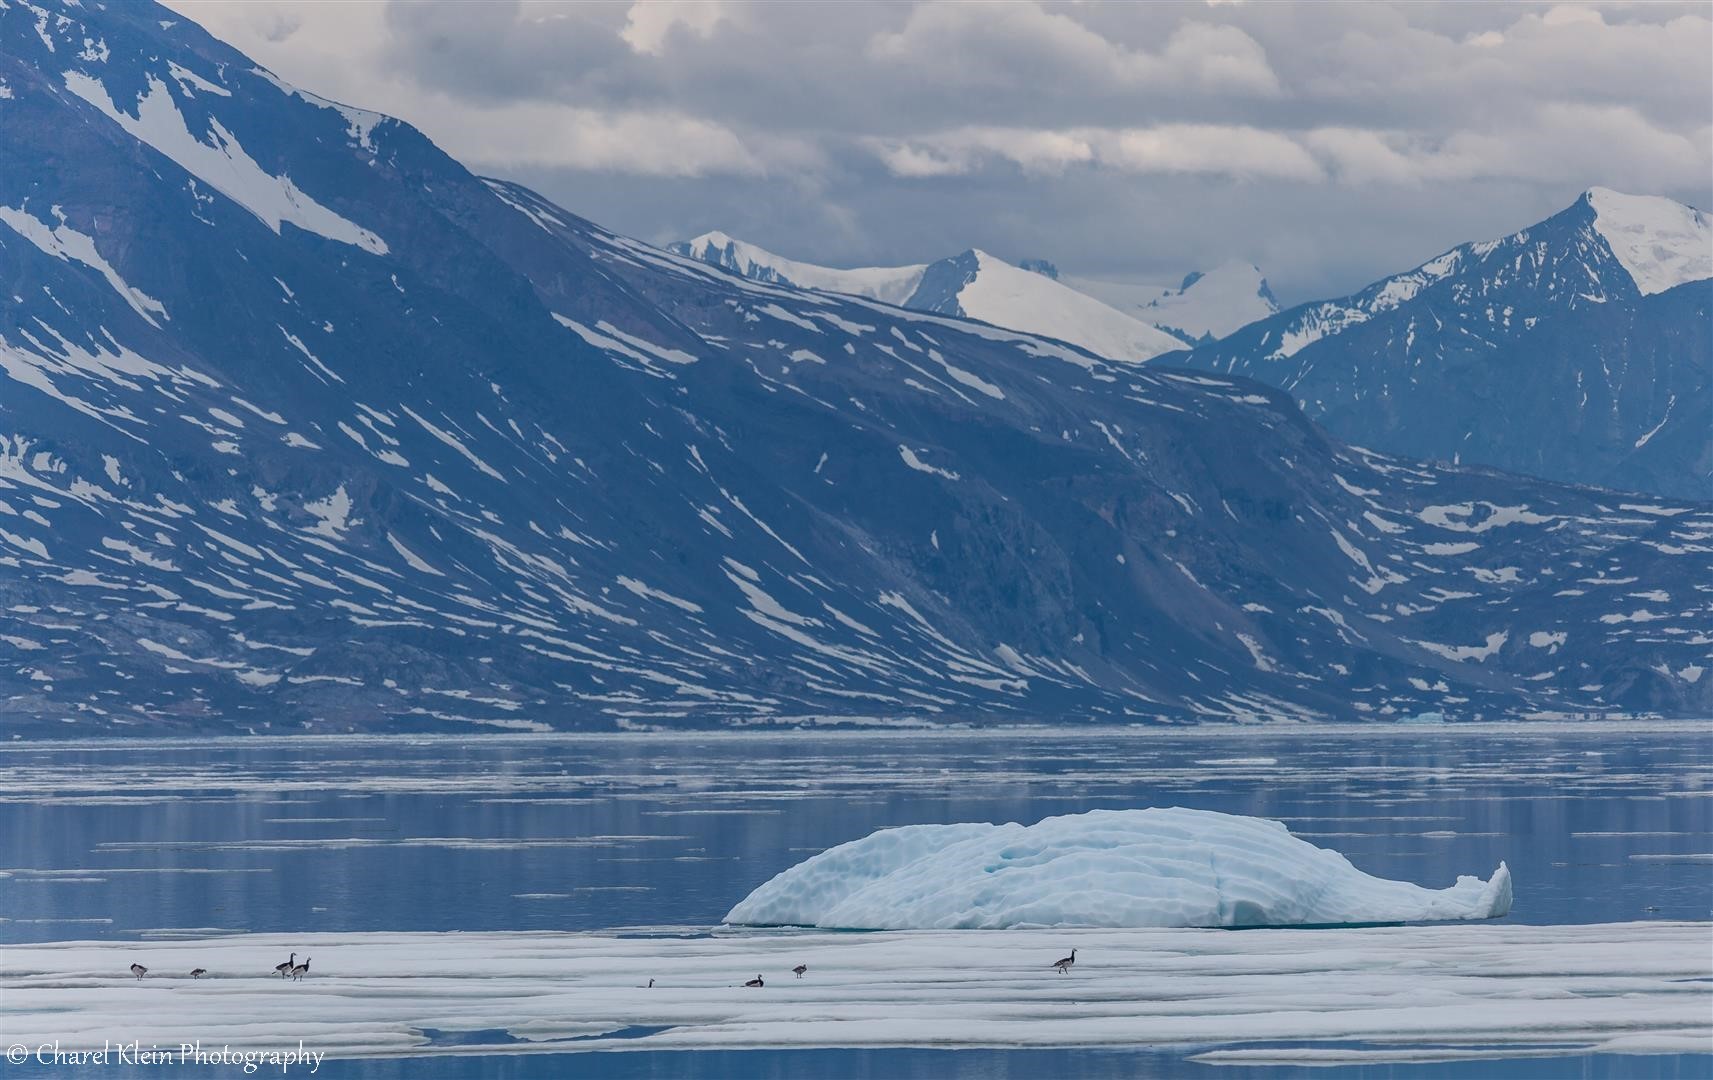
(1110, 868)
(1454, 991)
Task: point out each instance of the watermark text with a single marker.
(136, 1052)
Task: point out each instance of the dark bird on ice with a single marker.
(285, 968)
(198, 973)
(799, 970)
(755, 982)
(300, 970)
(1064, 963)
(139, 970)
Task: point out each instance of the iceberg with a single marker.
(1160, 867)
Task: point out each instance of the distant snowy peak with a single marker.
(972, 284)
(1205, 305)
(1661, 242)
(888, 284)
(994, 291)
(1215, 303)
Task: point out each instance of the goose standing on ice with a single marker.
(139, 970)
(198, 973)
(799, 970)
(1064, 963)
(285, 968)
(755, 982)
(300, 970)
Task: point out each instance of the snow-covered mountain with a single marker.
(305, 427)
(1579, 349)
(974, 285)
(978, 286)
(1207, 305)
(888, 284)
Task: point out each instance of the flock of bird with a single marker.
(296, 971)
(290, 968)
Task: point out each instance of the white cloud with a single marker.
(918, 162)
(649, 23)
(1359, 156)
(1171, 148)
(661, 144)
(1583, 144)
(1208, 148)
(1567, 14)
(646, 143)
(1373, 134)
(988, 42)
(1219, 58)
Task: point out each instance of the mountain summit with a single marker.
(1578, 349)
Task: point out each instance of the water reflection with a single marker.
(594, 832)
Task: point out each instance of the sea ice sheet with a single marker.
(1115, 868)
(1461, 990)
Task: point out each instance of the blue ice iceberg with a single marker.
(1105, 868)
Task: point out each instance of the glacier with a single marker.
(1660, 242)
(1158, 867)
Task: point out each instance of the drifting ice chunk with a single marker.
(1105, 868)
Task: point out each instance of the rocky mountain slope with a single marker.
(1578, 349)
(303, 427)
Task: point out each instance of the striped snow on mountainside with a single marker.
(468, 461)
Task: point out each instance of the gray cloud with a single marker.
(1329, 143)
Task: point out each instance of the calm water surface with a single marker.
(135, 840)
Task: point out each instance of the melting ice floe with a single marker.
(1104, 868)
(1458, 991)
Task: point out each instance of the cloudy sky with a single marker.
(1328, 143)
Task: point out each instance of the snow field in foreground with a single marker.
(1111, 868)
(1479, 990)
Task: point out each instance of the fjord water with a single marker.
(140, 840)
(120, 839)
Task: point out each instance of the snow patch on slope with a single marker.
(223, 165)
(64, 242)
(1661, 242)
